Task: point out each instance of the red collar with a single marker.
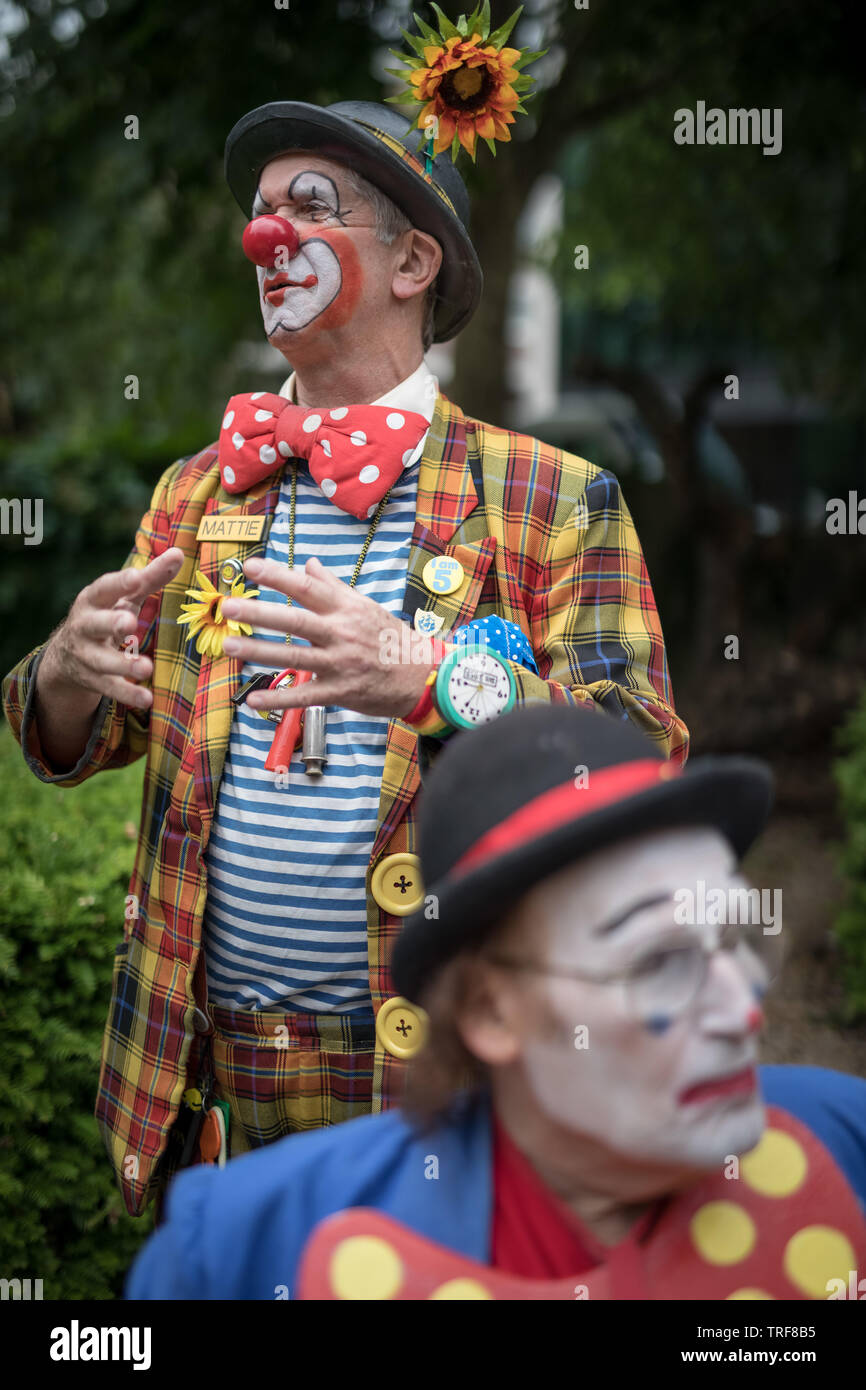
(534, 1233)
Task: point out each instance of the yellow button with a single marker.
(396, 884)
(442, 575)
(401, 1027)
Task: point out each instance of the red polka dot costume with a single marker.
(782, 1223)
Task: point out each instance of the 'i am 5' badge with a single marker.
(442, 575)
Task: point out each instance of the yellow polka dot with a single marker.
(461, 1288)
(816, 1255)
(723, 1232)
(776, 1167)
(750, 1293)
(365, 1267)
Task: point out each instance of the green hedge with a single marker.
(850, 925)
(65, 860)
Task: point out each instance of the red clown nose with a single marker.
(754, 1019)
(266, 238)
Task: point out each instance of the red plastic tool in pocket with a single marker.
(288, 731)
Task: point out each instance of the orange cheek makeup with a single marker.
(344, 305)
(313, 282)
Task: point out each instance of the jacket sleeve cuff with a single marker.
(105, 713)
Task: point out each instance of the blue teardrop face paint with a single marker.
(657, 1023)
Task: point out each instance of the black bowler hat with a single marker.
(512, 802)
(384, 148)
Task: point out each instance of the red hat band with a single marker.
(563, 804)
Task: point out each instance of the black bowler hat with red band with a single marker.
(514, 801)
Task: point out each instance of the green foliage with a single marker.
(121, 257)
(65, 860)
(95, 485)
(722, 247)
(850, 925)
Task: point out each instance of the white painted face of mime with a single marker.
(672, 1087)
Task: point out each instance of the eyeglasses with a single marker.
(663, 980)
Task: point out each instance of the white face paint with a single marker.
(685, 1093)
(294, 295)
(294, 292)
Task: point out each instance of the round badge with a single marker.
(230, 570)
(442, 575)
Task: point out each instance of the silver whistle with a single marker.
(314, 749)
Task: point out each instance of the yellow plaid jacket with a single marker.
(549, 546)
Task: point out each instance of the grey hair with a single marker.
(390, 223)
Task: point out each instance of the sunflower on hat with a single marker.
(466, 81)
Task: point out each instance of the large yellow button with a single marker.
(401, 1027)
(396, 884)
(442, 575)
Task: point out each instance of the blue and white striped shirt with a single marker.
(286, 916)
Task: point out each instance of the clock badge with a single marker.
(473, 686)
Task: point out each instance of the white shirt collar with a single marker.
(417, 392)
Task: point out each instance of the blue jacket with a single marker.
(238, 1233)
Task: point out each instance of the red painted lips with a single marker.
(738, 1083)
(274, 290)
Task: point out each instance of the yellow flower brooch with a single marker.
(467, 83)
(205, 615)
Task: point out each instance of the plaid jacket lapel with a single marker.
(446, 510)
(219, 677)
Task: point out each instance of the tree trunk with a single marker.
(479, 384)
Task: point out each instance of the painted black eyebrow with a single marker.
(615, 922)
(315, 174)
(339, 212)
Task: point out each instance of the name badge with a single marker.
(230, 526)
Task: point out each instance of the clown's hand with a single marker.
(362, 657)
(85, 659)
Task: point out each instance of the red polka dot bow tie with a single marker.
(355, 452)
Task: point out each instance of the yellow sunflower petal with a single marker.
(240, 591)
(432, 54)
(485, 126)
(447, 131)
(466, 132)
